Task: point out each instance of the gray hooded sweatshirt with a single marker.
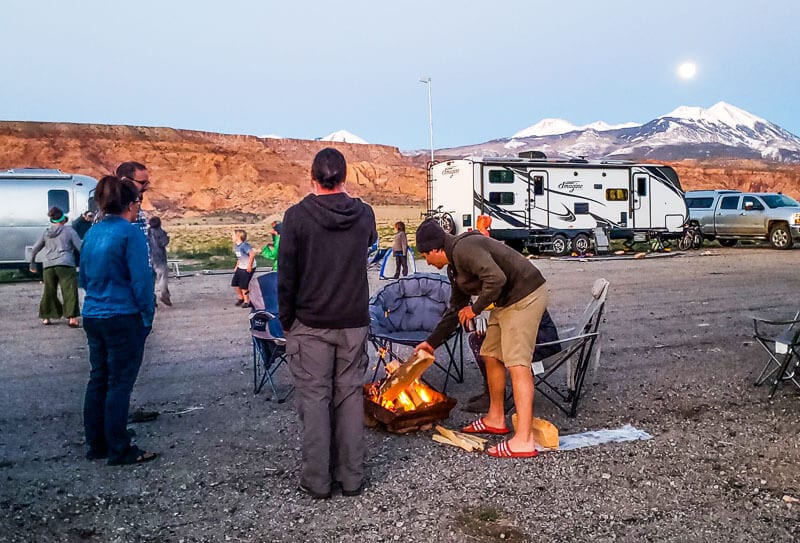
(60, 243)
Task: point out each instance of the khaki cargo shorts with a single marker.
(511, 330)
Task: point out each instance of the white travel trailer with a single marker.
(25, 197)
(558, 205)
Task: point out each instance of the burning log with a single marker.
(402, 402)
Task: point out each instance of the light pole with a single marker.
(427, 81)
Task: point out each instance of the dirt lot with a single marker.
(678, 361)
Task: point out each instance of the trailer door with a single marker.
(640, 201)
(508, 194)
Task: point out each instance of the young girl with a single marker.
(400, 249)
(245, 267)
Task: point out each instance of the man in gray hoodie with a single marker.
(61, 244)
(323, 305)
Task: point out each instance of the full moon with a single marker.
(687, 70)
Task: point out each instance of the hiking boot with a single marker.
(239, 302)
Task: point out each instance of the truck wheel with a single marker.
(780, 237)
(560, 245)
(729, 242)
(581, 244)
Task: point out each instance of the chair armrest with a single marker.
(766, 322)
(267, 314)
(568, 339)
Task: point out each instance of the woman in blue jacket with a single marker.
(117, 317)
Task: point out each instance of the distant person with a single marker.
(270, 250)
(323, 305)
(60, 244)
(82, 224)
(117, 317)
(400, 249)
(245, 267)
(137, 172)
(158, 240)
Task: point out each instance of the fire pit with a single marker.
(401, 402)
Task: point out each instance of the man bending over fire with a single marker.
(499, 275)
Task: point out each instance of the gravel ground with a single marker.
(678, 361)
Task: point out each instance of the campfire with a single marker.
(403, 403)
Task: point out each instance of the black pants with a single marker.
(401, 262)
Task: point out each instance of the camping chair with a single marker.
(781, 341)
(563, 388)
(405, 312)
(269, 343)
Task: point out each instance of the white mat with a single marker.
(598, 437)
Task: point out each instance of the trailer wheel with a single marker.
(581, 244)
(780, 237)
(731, 242)
(560, 245)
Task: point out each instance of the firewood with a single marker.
(465, 441)
(442, 439)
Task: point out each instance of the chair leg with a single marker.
(783, 373)
(259, 365)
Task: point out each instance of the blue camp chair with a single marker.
(269, 343)
(405, 312)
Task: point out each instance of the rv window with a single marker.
(59, 199)
(538, 185)
(501, 176)
(581, 208)
(641, 186)
(617, 195)
(502, 198)
(699, 203)
(729, 202)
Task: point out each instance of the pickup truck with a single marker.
(729, 216)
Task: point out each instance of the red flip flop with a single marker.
(502, 450)
(479, 427)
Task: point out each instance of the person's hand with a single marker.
(249, 269)
(32, 269)
(465, 315)
(424, 346)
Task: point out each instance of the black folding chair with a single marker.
(269, 343)
(560, 377)
(405, 312)
(780, 339)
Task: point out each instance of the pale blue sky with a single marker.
(303, 69)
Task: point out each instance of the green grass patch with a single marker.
(486, 523)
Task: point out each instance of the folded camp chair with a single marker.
(560, 377)
(781, 341)
(405, 312)
(269, 344)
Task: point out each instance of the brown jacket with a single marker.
(486, 268)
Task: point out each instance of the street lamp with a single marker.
(427, 81)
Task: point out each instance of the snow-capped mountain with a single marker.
(721, 131)
(343, 136)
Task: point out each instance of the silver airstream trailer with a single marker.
(25, 197)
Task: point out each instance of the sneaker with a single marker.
(239, 302)
(246, 304)
(316, 495)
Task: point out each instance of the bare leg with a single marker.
(522, 385)
(496, 378)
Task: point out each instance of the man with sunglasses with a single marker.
(137, 172)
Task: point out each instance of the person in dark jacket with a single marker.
(61, 246)
(82, 224)
(498, 275)
(323, 305)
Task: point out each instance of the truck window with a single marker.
(617, 195)
(699, 203)
(729, 202)
(59, 199)
(538, 185)
(501, 176)
(501, 198)
(756, 204)
(779, 200)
